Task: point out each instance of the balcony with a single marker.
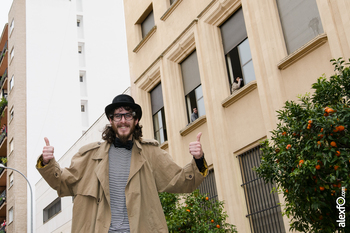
(3, 80)
(3, 52)
(3, 175)
(3, 61)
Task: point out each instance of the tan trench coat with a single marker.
(151, 171)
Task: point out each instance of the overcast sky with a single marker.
(4, 11)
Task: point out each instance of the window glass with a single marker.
(12, 82)
(147, 24)
(300, 21)
(200, 101)
(11, 215)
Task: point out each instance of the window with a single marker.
(82, 108)
(12, 25)
(51, 210)
(11, 215)
(11, 145)
(78, 22)
(300, 21)
(208, 186)
(264, 212)
(12, 54)
(11, 179)
(192, 86)
(11, 114)
(159, 126)
(12, 82)
(237, 51)
(147, 24)
(81, 78)
(80, 49)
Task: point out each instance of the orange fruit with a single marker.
(207, 198)
(335, 130)
(212, 220)
(329, 110)
(319, 143)
(320, 136)
(340, 128)
(286, 190)
(321, 188)
(334, 185)
(288, 146)
(339, 185)
(321, 130)
(326, 114)
(337, 153)
(188, 210)
(218, 226)
(336, 167)
(333, 144)
(318, 167)
(284, 133)
(310, 121)
(301, 162)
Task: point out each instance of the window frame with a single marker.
(47, 214)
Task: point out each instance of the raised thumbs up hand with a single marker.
(196, 147)
(47, 152)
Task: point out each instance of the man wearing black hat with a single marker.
(115, 183)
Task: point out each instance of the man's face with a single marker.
(195, 110)
(123, 129)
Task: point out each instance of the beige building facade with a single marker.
(236, 62)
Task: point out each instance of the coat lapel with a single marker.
(102, 169)
(137, 160)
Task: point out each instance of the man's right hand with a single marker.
(47, 152)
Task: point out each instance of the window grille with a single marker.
(51, 210)
(208, 186)
(264, 213)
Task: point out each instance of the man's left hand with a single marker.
(196, 147)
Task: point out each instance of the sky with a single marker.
(4, 11)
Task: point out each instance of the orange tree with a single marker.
(194, 213)
(308, 155)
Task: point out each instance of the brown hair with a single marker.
(109, 135)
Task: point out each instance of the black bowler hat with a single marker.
(123, 101)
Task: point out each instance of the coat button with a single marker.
(190, 176)
(56, 174)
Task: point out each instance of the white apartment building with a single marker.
(67, 60)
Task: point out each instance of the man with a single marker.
(115, 183)
(194, 114)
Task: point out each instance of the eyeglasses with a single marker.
(127, 116)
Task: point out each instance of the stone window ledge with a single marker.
(144, 40)
(164, 145)
(240, 93)
(193, 125)
(303, 51)
(170, 10)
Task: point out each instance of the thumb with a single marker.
(47, 141)
(199, 136)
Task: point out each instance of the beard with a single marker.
(124, 137)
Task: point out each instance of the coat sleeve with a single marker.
(172, 178)
(63, 180)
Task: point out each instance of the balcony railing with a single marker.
(2, 55)
(3, 197)
(3, 104)
(4, 76)
(2, 137)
